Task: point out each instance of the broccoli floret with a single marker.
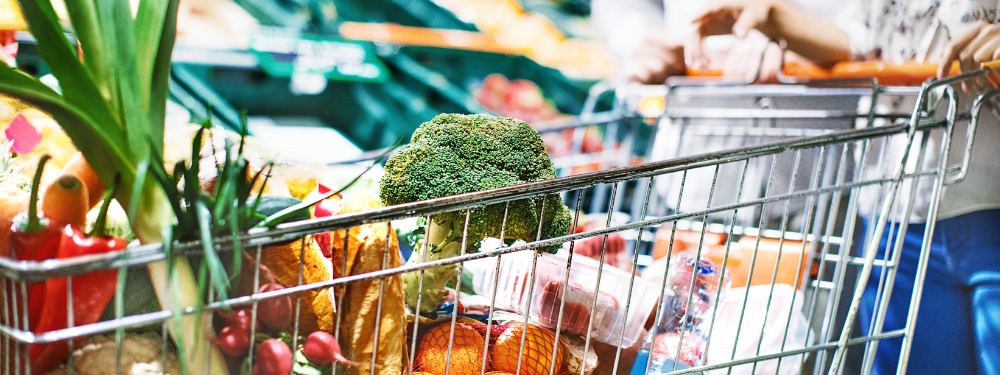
(455, 154)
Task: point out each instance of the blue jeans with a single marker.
(958, 324)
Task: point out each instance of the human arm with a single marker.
(816, 39)
(622, 24)
(977, 44)
(635, 34)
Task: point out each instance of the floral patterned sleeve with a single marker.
(900, 31)
(854, 22)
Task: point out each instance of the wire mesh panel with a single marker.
(762, 294)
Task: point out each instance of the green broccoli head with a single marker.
(455, 154)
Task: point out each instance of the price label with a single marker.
(284, 53)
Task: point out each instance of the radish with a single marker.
(274, 313)
(234, 340)
(273, 358)
(240, 318)
(322, 348)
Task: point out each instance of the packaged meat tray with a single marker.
(577, 297)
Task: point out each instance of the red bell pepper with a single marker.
(91, 294)
(33, 237)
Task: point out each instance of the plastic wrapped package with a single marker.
(603, 311)
(762, 327)
(694, 288)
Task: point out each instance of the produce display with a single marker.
(524, 100)
(533, 35)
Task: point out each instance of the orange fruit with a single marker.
(466, 351)
(537, 356)
(498, 373)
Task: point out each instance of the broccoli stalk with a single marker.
(455, 154)
(442, 242)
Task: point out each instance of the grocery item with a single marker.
(65, 202)
(283, 261)
(33, 237)
(92, 292)
(120, 133)
(234, 340)
(273, 357)
(577, 298)
(454, 154)
(77, 166)
(14, 194)
(141, 354)
(466, 350)
(694, 288)
(274, 313)
(536, 358)
(615, 254)
(573, 359)
(367, 251)
(322, 348)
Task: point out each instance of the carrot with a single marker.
(65, 201)
(78, 166)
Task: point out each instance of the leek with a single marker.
(113, 106)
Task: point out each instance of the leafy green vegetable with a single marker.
(455, 154)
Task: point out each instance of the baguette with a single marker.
(366, 252)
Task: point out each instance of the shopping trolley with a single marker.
(733, 332)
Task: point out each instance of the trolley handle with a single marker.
(906, 74)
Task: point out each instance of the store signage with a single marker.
(287, 53)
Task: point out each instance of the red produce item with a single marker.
(240, 318)
(234, 340)
(576, 312)
(92, 292)
(273, 358)
(692, 349)
(323, 348)
(274, 313)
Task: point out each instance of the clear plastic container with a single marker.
(694, 289)
(579, 297)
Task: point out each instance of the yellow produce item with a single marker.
(367, 251)
(284, 264)
(12, 202)
(10, 16)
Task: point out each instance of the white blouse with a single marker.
(899, 31)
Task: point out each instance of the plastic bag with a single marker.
(758, 318)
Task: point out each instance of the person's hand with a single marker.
(657, 57)
(735, 17)
(979, 44)
(744, 58)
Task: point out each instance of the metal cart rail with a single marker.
(825, 232)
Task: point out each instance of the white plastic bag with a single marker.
(721, 347)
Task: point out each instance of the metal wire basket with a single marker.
(804, 188)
